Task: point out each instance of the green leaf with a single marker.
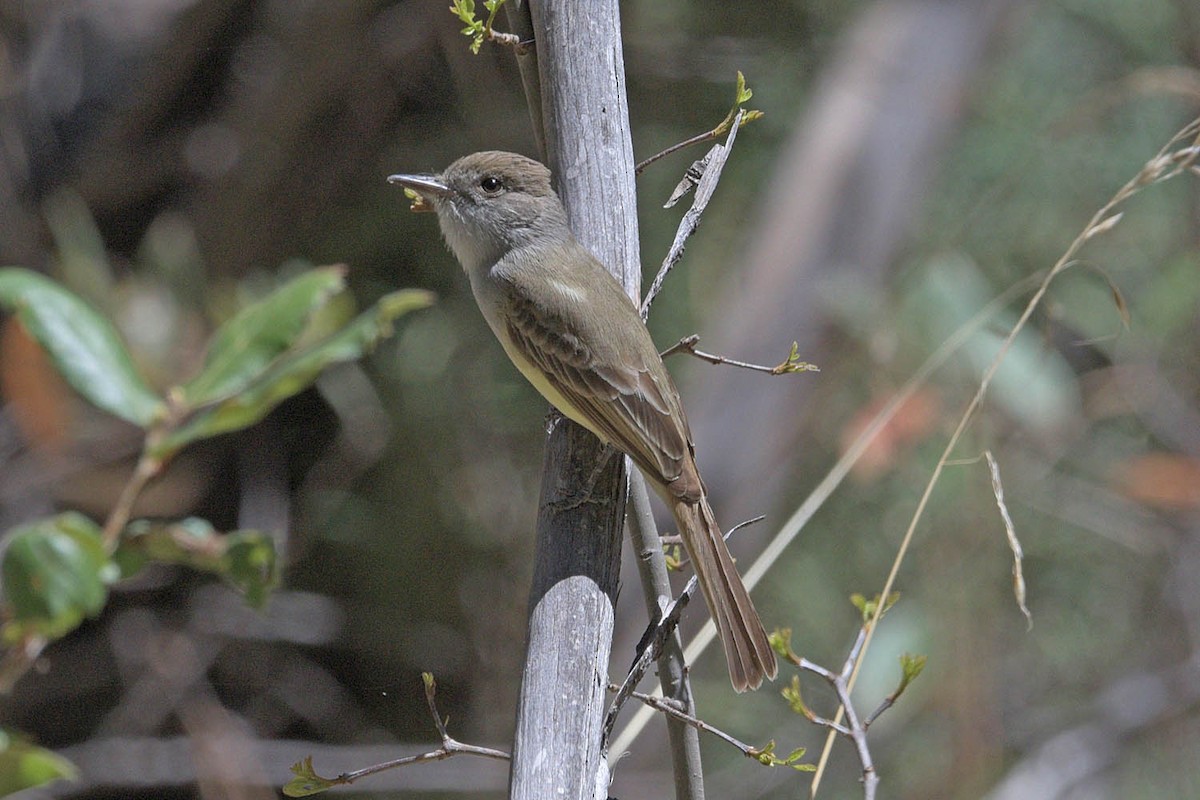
(244, 558)
(55, 573)
(243, 347)
(868, 607)
(743, 93)
(793, 363)
(764, 755)
(859, 601)
(910, 667)
(781, 643)
(83, 345)
(251, 565)
(293, 372)
(307, 781)
(24, 766)
(464, 10)
(795, 700)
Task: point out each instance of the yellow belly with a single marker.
(535, 376)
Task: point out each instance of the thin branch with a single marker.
(854, 730)
(449, 749)
(510, 40)
(790, 364)
(657, 633)
(883, 706)
(309, 782)
(691, 220)
(669, 708)
(672, 669)
(147, 467)
(707, 136)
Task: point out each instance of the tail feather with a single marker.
(747, 650)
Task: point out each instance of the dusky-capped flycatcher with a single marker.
(571, 330)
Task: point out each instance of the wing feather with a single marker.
(619, 386)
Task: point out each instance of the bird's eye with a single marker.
(491, 184)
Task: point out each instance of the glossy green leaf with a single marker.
(24, 766)
(246, 345)
(244, 558)
(55, 573)
(84, 346)
(294, 372)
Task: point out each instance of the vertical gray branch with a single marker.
(685, 740)
(585, 130)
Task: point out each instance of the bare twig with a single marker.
(691, 220)
(790, 364)
(854, 730)
(671, 710)
(510, 40)
(450, 746)
(309, 782)
(764, 755)
(707, 136)
(912, 666)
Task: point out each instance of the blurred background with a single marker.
(172, 159)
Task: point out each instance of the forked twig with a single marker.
(691, 220)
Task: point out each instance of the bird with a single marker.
(569, 327)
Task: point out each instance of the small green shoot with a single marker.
(307, 781)
(478, 29)
(781, 643)
(673, 554)
(743, 95)
(795, 700)
(748, 115)
(868, 608)
(910, 666)
(793, 363)
(766, 756)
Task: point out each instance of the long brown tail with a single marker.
(747, 650)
